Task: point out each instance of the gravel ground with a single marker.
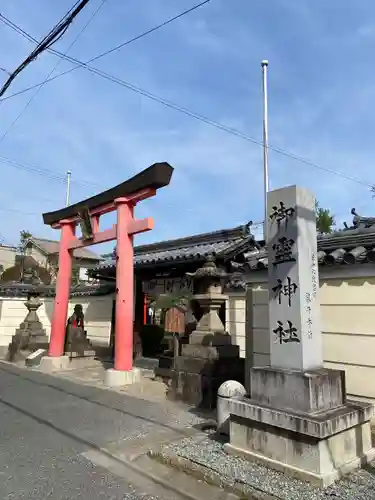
(209, 453)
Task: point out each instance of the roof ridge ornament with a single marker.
(360, 222)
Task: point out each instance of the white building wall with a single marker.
(7, 257)
(97, 310)
(348, 328)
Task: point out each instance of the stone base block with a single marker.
(32, 347)
(163, 374)
(200, 388)
(313, 391)
(86, 353)
(119, 378)
(210, 352)
(319, 448)
(210, 338)
(51, 364)
(35, 357)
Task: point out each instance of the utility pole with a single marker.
(265, 145)
(68, 177)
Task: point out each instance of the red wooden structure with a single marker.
(123, 199)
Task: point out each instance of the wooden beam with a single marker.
(135, 227)
(141, 225)
(110, 207)
(102, 237)
(149, 180)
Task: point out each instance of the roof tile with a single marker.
(220, 243)
(52, 247)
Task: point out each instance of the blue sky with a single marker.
(321, 100)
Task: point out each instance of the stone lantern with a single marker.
(209, 281)
(30, 335)
(209, 359)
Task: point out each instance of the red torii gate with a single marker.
(123, 199)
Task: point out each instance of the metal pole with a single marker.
(68, 177)
(265, 144)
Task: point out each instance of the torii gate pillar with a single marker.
(123, 199)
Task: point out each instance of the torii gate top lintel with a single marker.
(146, 182)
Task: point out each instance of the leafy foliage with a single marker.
(24, 236)
(325, 221)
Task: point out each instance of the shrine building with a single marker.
(160, 268)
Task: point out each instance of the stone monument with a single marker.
(30, 335)
(209, 358)
(297, 418)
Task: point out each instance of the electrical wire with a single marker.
(51, 72)
(49, 174)
(52, 37)
(179, 108)
(81, 64)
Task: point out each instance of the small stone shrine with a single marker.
(297, 418)
(77, 344)
(30, 335)
(209, 358)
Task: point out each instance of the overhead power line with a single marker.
(44, 172)
(52, 37)
(173, 105)
(29, 37)
(81, 64)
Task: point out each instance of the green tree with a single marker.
(24, 236)
(325, 221)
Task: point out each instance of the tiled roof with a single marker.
(350, 246)
(223, 244)
(52, 247)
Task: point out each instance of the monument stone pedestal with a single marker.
(297, 419)
(291, 424)
(209, 358)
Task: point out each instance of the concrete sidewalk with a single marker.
(64, 438)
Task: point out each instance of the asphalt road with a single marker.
(49, 425)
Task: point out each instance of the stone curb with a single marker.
(134, 468)
(200, 472)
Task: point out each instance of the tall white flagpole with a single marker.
(265, 144)
(68, 177)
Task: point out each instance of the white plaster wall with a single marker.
(7, 256)
(235, 319)
(97, 310)
(348, 327)
(36, 254)
(98, 314)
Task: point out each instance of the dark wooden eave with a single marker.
(154, 177)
